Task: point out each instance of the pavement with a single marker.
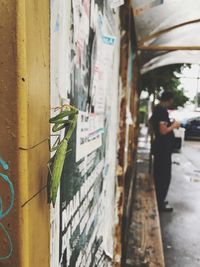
(181, 229)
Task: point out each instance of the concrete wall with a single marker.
(86, 71)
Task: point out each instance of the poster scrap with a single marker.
(139, 10)
(102, 71)
(116, 3)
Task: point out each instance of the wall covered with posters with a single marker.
(85, 52)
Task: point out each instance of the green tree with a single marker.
(165, 79)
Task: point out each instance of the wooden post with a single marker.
(24, 130)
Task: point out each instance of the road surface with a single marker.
(181, 229)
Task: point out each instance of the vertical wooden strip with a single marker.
(32, 49)
(22, 111)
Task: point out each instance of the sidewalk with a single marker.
(181, 229)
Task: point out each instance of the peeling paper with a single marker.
(116, 3)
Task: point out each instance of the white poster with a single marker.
(60, 57)
(89, 134)
(60, 87)
(102, 71)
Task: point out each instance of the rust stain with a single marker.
(122, 132)
(119, 171)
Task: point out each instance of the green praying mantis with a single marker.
(67, 119)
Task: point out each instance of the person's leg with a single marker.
(158, 179)
(166, 175)
(162, 176)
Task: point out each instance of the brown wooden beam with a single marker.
(145, 246)
(166, 48)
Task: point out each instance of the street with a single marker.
(181, 229)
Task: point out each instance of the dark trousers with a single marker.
(162, 173)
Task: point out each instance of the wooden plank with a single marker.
(8, 132)
(146, 241)
(33, 108)
(167, 48)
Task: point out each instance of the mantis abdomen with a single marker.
(57, 169)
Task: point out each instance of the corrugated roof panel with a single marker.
(175, 57)
(166, 27)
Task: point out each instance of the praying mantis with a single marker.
(67, 119)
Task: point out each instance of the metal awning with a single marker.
(168, 32)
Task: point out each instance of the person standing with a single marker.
(162, 148)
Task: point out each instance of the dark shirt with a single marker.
(161, 114)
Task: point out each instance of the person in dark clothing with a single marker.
(162, 148)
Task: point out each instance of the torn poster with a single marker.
(116, 3)
(139, 10)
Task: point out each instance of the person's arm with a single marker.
(164, 129)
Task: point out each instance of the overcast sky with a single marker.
(189, 80)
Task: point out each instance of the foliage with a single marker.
(197, 100)
(165, 78)
(143, 105)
